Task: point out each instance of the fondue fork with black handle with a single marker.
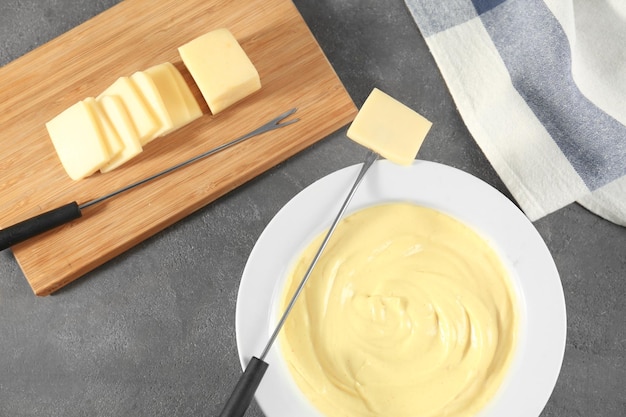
(244, 390)
(59, 216)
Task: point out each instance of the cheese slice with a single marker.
(168, 94)
(175, 93)
(145, 121)
(113, 107)
(221, 69)
(389, 128)
(78, 141)
(109, 134)
(149, 91)
(193, 108)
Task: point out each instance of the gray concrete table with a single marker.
(151, 333)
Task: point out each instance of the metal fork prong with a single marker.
(286, 114)
(288, 122)
(274, 123)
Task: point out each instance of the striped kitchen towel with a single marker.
(541, 86)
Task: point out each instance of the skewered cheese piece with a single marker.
(78, 141)
(221, 69)
(389, 128)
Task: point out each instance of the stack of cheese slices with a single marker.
(104, 132)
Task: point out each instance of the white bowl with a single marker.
(541, 345)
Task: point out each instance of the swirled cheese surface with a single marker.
(408, 312)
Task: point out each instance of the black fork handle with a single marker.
(34, 226)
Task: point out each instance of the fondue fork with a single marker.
(244, 390)
(387, 128)
(56, 217)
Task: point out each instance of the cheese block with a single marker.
(170, 98)
(389, 128)
(114, 109)
(109, 134)
(145, 121)
(78, 141)
(221, 69)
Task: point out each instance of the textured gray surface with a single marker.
(151, 333)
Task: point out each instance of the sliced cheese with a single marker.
(221, 69)
(176, 95)
(389, 128)
(109, 134)
(168, 94)
(114, 108)
(149, 91)
(145, 121)
(193, 108)
(78, 141)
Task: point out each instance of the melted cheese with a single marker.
(408, 313)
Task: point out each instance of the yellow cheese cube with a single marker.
(389, 128)
(169, 96)
(110, 136)
(78, 141)
(221, 69)
(145, 121)
(113, 107)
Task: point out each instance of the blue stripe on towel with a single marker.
(537, 54)
(483, 6)
(436, 16)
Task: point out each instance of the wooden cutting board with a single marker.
(132, 36)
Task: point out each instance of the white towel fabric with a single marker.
(541, 86)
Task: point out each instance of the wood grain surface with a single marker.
(132, 36)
